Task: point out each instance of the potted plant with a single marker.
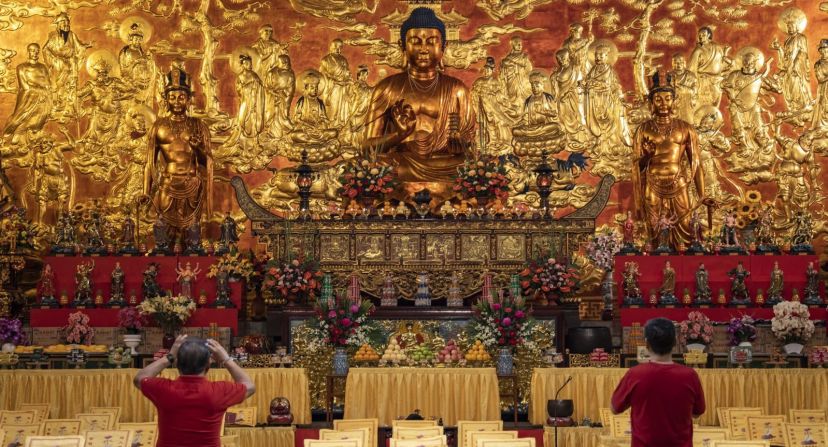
(696, 331)
(502, 323)
(482, 178)
(293, 280)
(741, 330)
(601, 250)
(169, 312)
(367, 180)
(11, 334)
(548, 278)
(792, 325)
(78, 331)
(132, 321)
(343, 323)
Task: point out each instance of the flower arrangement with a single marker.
(696, 329)
(169, 312)
(11, 331)
(365, 176)
(295, 277)
(131, 319)
(741, 329)
(484, 176)
(502, 321)
(602, 249)
(550, 277)
(78, 330)
(234, 264)
(791, 322)
(343, 322)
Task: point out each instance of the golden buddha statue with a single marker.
(312, 130)
(666, 160)
(421, 119)
(178, 177)
(539, 129)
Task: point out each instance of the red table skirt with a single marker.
(109, 317)
(716, 314)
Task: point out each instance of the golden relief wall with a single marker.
(274, 79)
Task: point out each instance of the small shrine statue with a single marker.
(760, 298)
(46, 290)
(629, 236)
(764, 232)
(668, 286)
(94, 234)
(721, 300)
(128, 237)
(455, 299)
(686, 299)
(696, 233)
(703, 292)
(653, 298)
(193, 240)
(423, 296)
(223, 291)
(632, 291)
(149, 286)
(280, 412)
(795, 295)
(99, 300)
(664, 227)
(116, 287)
(159, 233)
(802, 233)
(729, 238)
(83, 285)
(738, 289)
(66, 240)
(389, 292)
(777, 284)
(409, 334)
(229, 234)
(186, 278)
(812, 297)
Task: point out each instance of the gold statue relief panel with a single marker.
(334, 247)
(511, 247)
(439, 247)
(370, 247)
(474, 247)
(165, 101)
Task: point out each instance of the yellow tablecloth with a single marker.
(263, 437)
(573, 437)
(775, 390)
(450, 393)
(74, 391)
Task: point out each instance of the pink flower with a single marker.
(508, 310)
(506, 321)
(354, 308)
(496, 306)
(332, 314)
(519, 314)
(345, 322)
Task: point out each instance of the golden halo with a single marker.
(300, 80)
(744, 209)
(753, 216)
(753, 196)
(235, 65)
(792, 14)
(613, 52)
(144, 26)
(101, 56)
(708, 110)
(760, 58)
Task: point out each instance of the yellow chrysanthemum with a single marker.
(740, 223)
(744, 209)
(753, 215)
(753, 196)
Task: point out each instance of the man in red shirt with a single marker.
(664, 396)
(191, 408)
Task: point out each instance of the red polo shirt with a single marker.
(191, 408)
(664, 399)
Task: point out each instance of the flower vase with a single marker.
(340, 362)
(541, 298)
(132, 341)
(168, 340)
(291, 299)
(606, 290)
(505, 362)
(482, 198)
(696, 347)
(368, 198)
(793, 348)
